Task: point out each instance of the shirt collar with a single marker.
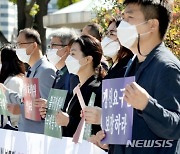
(34, 67)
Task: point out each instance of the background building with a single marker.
(8, 19)
(52, 6)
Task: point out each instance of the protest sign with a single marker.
(55, 103)
(117, 115)
(31, 92)
(3, 104)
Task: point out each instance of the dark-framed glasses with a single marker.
(52, 45)
(17, 45)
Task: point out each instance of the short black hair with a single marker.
(31, 34)
(95, 31)
(156, 9)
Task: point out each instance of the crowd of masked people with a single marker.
(131, 46)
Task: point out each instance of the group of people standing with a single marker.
(133, 46)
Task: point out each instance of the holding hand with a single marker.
(62, 118)
(136, 96)
(96, 139)
(92, 115)
(42, 104)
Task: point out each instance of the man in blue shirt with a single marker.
(29, 51)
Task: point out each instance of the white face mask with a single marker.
(52, 56)
(72, 64)
(127, 33)
(21, 53)
(110, 47)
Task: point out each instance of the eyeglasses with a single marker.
(55, 45)
(111, 32)
(20, 43)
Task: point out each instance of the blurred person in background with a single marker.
(11, 75)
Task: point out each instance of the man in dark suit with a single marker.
(155, 96)
(59, 43)
(57, 54)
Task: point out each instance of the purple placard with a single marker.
(117, 115)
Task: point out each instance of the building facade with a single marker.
(8, 19)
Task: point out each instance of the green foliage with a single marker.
(63, 3)
(13, 1)
(109, 9)
(34, 10)
(105, 13)
(173, 35)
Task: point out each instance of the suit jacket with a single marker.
(45, 72)
(65, 81)
(62, 80)
(119, 69)
(159, 75)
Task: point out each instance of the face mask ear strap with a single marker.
(138, 46)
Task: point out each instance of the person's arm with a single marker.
(161, 113)
(72, 125)
(13, 99)
(45, 82)
(11, 96)
(69, 123)
(15, 84)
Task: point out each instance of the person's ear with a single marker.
(154, 24)
(89, 59)
(35, 45)
(67, 49)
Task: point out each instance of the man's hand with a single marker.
(92, 115)
(136, 96)
(42, 104)
(62, 118)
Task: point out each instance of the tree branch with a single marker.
(2, 38)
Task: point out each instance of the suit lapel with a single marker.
(60, 81)
(129, 65)
(34, 71)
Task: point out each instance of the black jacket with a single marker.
(63, 81)
(159, 75)
(119, 69)
(74, 107)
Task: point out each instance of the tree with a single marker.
(173, 35)
(3, 39)
(114, 7)
(30, 15)
(64, 3)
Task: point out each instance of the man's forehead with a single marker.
(21, 36)
(55, 39)
(132, 8)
